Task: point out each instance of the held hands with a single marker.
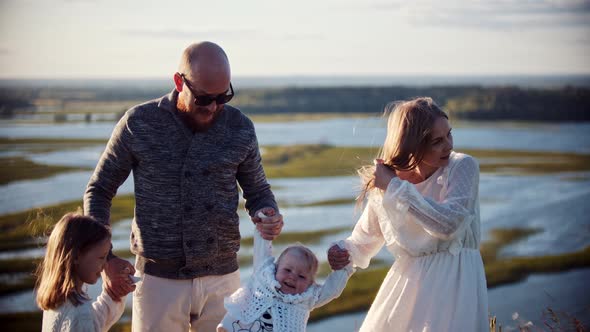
(271, 226)
(383, 174)
(337, 257)
(116, 280)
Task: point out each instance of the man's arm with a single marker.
(252, 179)
(258, 196)
(112, 170)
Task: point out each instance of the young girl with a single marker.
(423, 206)
(76, 254)
(279, 296)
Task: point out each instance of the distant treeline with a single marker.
(464, 102)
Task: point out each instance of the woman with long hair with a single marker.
(421, 203)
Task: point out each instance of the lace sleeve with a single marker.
(366, 239)
(334, 285)
(262, 250)
(439, 219)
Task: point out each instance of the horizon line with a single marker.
(283, 76)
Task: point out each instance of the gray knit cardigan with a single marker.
(186, 193)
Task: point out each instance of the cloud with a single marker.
(187, 33)
(580, 41)
(245, 34)
(300, 36)
(503, 14)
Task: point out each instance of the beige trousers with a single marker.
(170, 305)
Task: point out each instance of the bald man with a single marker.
(188, 152)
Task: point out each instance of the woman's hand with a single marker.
(383, 174)
(337, 257)
(271, 226)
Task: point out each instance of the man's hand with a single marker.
(383, 174)
(271, 226)
(337, 257)
(116, 279)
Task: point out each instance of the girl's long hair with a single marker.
(409, 128)
(72, 235)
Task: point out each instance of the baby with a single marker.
(279, 296)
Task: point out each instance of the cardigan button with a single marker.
(209, 207)
(188, 208)
(188, 244)
(188, 174)
(210, 240)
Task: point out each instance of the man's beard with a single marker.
(194, 125)
(189, 117)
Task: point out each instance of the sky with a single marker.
(144, 39)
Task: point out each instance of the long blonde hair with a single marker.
(409, 129)
(72, 236)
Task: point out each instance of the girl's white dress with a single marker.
(89, 316)
(260, 306)
(437, 282)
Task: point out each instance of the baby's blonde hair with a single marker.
(73, 235)
(308, 255)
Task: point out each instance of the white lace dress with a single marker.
(437, 282)
(260, 306)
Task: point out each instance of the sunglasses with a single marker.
(204, 100)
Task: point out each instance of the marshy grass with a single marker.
(22, 321)
(326, 160)
(316, 160)
(28, 265)
(20, 283)
(17, 265)
(43, 145)
(500, 271)
(500, 238)
(553, 321)
(364, 284)
(510, 270)
(31, 322)
(20, 168)
(529, 162)
(21, 230)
